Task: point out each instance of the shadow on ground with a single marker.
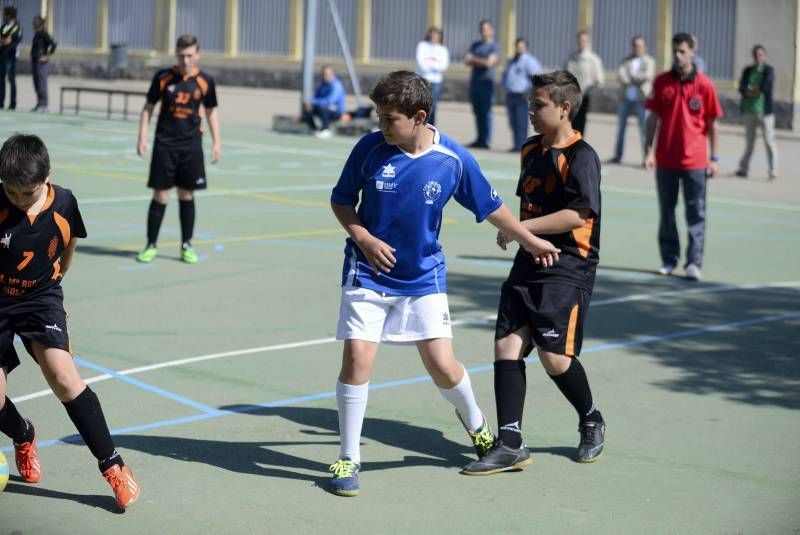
(751, 360)
(425, 447)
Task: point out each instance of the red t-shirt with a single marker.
(685, 108)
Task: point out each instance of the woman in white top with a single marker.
(433, 58)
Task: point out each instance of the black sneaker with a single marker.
(500, 458)
(592, 440)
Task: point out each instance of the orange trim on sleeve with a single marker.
(203, 85)
(525, 150)
(582, 236)
(569, 350)
(3, 214)
(164, 82)
(63, 226)
(563, 167)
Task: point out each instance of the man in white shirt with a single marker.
(636, 74)
(433, 58)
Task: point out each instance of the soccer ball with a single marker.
(3, 472)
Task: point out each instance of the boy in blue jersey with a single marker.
(559, 190)
(393, 280)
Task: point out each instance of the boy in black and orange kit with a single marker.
(559, 187)
(186, 94)
(39, 229)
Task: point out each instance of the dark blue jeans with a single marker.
(481, 94)
(436, 89)
(326, 116)
(694, 197)
(626, 107)
(8, 67)
(517, 106)
(40, 70)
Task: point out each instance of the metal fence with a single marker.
(714, 23)
(75, 23)
(327, 41)
(460, 20)
(205, 19)
(550, 27)
(397, 27)
(616, 22)
(264, 27)
(131, 23)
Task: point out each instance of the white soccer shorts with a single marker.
(365, 314)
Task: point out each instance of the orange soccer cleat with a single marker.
(27, 457)
(126, 488)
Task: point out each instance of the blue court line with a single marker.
(150, 388)
(209, 413)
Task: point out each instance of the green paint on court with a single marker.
(702, 428)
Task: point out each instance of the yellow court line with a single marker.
(269, 236)
(273, 198)
(239, 239)
(108, 174)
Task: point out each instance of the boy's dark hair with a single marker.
(185, 41)
(24, 161)
(521, 40)
(10, 12)
(756, 48)
(405, 91)
(683, 37)
(562, 86)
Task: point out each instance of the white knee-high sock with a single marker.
(463, 400)
(351, 401)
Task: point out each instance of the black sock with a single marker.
(575, 387)
(87, 415)
(187, 221)
(13, 425)
(509, 393)
(155, 215)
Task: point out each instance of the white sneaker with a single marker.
(324, 134)
(666, 270)
(693, 272)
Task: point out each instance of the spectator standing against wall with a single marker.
(327, 104)
(42, 48)
(636, 74)
(587, 67)
(10, 36)
(482, 57)
(699, 62)
(433, 59)
(755, 87)
(684, 108)
(517, 83)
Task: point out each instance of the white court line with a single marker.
(466, 321)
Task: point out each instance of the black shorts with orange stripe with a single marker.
(554, 313)
(43, 320)
(181, 166)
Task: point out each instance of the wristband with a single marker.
(714, 158)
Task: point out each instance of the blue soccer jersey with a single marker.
(402, 196)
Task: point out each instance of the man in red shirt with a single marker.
(684, 108)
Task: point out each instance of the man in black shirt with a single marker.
(42, 48)
(186, 95)
(10, 36)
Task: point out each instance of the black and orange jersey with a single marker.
(181, 116)
(552, 179)
(31, 246)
